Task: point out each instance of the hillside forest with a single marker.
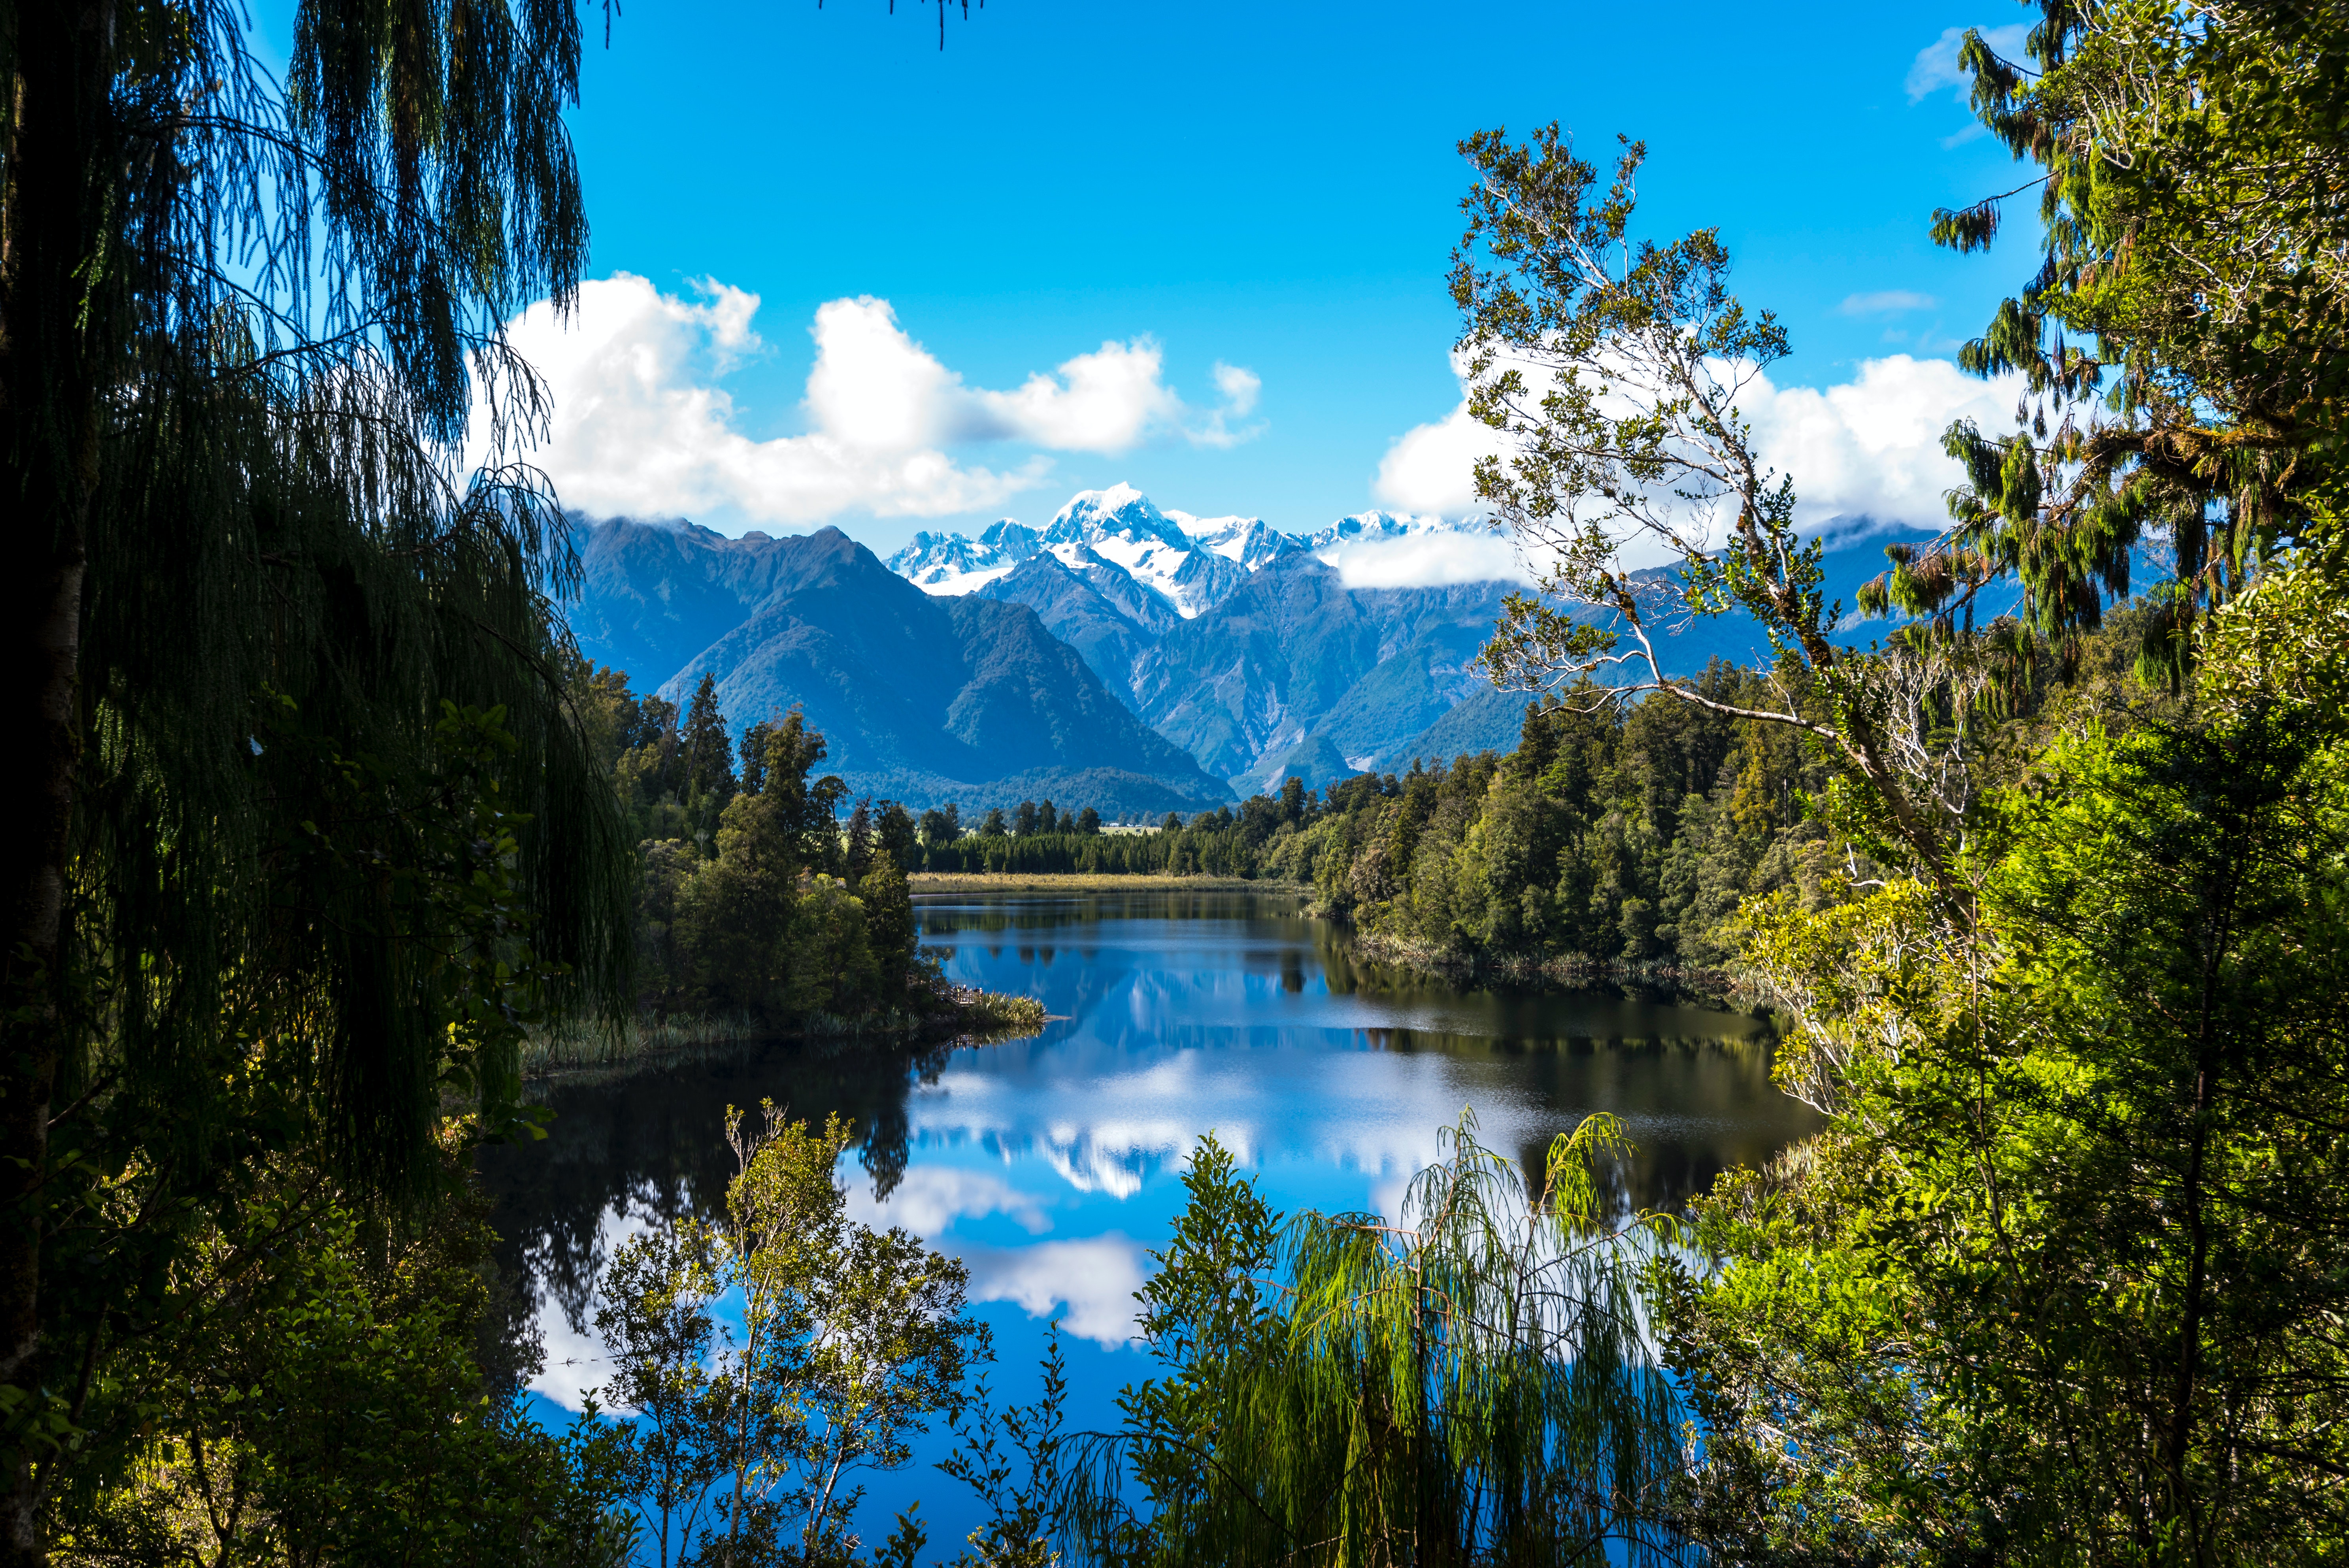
(326, 824)
(1623, 838)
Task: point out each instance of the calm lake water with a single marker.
(1053, 1165)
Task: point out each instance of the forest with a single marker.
(325, 822)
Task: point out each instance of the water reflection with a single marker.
(1049, 1165)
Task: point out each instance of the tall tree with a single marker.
(245, 336)
(1613, 367)
(708, 749)
(2179, 341)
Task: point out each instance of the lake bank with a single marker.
(971, 1015)
(1088, 882)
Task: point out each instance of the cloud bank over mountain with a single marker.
(1870, 446)
(642, 424)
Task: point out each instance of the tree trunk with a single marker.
(50, 208)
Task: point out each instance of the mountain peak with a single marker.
(1119, 511)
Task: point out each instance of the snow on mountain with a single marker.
(952, 564)
(1376, 527)
(1249, 542)
(1149, 561)
(1121, 527)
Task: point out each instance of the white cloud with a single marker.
(928, 1199)
(1239, 388)
(1870, 446)
(575, 1359)
(1095, 1277)
(1428, 561)
(1885, 302)
(641, 425)
(1430, 467)
(1104, 402)
(1936, 65)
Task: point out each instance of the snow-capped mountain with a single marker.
(1373, 527)
(950, 563)
(1139, 556)
(1244, 646)
(1248, 541)
(1119, 526)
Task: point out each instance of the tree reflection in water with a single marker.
(1051, 1164)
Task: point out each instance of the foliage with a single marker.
(755, 904)
(1469, 1385)
(315, 1397)
(1021, 1520)
(2177, 340)
(268, 903)
(851, 1339)
(1613, 367)
(2060, 1282)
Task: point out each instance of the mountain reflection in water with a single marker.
(1051, 1165)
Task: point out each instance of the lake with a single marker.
(1051, 1165)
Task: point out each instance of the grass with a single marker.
(1085, 881)
(582, 1044)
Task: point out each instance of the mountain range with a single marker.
(1241, 644)
(1124, 656)
(920, 697)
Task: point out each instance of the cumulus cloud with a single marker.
(1428, 561)
(1431, 468)
(1095, 1277)
(641, 424)
(929, 1199)
(1936, 65)
(1870, 447)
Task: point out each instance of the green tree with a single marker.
(851, 1339)
(894, 835)
(316, 1400)
(240, 353)
(889, 926)
(2176, 337)
(1614, 367)
(941, 828)
(654, 1318)
(2059, 1283)
(706, 758)
(1466, 1387)
(856, 841)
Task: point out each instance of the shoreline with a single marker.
(1566, 972)
(1570, 970)
(1088, 882)
(974, 1017)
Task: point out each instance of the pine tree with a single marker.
(941, 827)
(857, 854)
(754, 757)
(708, 751)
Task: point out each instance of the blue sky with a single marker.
(1270, 188)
